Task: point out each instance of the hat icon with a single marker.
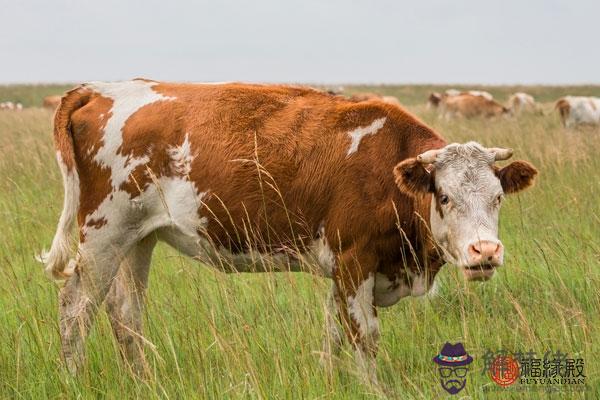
(453, 355)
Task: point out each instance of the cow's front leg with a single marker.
(355, 282)
(334, 335)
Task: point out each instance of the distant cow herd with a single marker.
(572, 110)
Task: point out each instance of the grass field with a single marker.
(258, 336)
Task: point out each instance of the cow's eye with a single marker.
(444, 199)
(499, 199)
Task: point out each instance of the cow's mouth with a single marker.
(481, 272)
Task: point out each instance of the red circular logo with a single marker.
(504, 370)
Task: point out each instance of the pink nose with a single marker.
(485, 252)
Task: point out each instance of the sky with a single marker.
(308, 41)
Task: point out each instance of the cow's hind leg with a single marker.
(125, 303)
(97, 264)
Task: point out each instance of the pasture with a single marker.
(218, 336)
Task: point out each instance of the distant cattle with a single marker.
(375, 96)
(482, 93)
(436, 98)
(521, 102)
(51, 102)
(578, 110)
(469, 106)
(9, 105)
(251, 178)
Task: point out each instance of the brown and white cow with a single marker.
(578, 110)
(259, 178)
(470, 106)
(435, 98)
(522, 102)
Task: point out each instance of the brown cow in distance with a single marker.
(51, 102)
(375, 96)
(254, 178)
(470, 106)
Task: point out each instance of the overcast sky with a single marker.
(377, 41)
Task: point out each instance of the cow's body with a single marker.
(521, 102)
(435, 99)
(579, 110)
(245, 178)
(469, 106)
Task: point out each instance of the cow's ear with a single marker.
(412, 177)
(516, 176)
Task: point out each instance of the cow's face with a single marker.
(467, 191)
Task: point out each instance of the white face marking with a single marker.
(357, 134)
(181, 157)
(464, 174)
(360, 307)
(128, 97)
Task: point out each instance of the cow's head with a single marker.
(434, 99)
(467, 190)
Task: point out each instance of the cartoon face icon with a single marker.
(453, 379)
(453, 363)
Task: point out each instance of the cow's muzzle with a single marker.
(483, 257)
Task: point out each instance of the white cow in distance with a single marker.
(10, 106)
(578, 110)
(521, 102)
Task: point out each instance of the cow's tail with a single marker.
(58, 263)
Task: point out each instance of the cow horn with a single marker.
(428, 157)
(500, 153)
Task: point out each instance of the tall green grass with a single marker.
(259, 336)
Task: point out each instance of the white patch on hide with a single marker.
(360, 307)
(128, 98)
(181, 157)
(357, 134)
(319, 249)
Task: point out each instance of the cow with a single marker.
(435, 98)
(252, 178)
(10, 106)
(375, 96)
(51, 102)
(521, 102)
(578, 110)
(469, 106)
